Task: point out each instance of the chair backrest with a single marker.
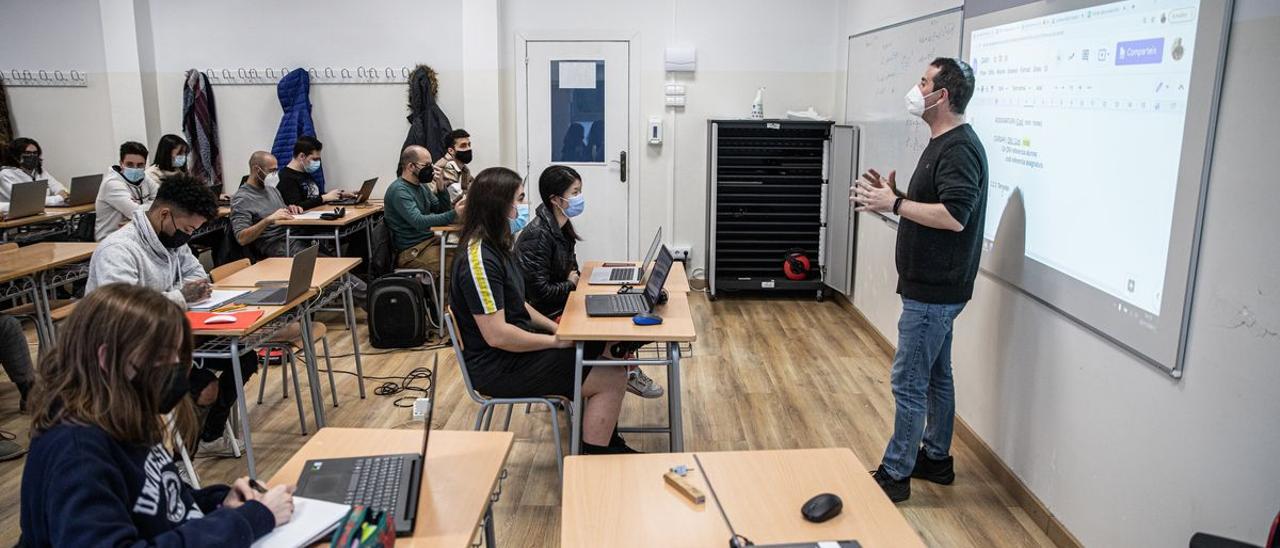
(450, 324)
(222, 272)
(8, 246)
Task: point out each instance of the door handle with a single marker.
(622, 166)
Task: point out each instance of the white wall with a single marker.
(741, 45)
(1121, 453)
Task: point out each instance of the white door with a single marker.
(577, 109)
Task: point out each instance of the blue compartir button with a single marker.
(1140, 52)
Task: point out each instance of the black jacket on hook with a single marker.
(545, 255)
(428, 125)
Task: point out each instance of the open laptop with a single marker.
(382, 482)
(630, 304)
(27, 199)
(625, 275)
(366, 189)
(84, 189)
(304, 264)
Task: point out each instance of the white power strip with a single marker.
(420, 408)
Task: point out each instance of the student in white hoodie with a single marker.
(125, 188)
(23, 162)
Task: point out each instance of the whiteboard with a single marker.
(883, 64)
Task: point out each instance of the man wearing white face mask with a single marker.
(124, 189)
(257, 206)
(938, 249)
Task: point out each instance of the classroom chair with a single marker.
(59, 309)
(288, 342)
(488, 404)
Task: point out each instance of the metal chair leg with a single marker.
(555, 433)
(506, 425)
(484, 410)
(328, 364)
(262, 382)
(302, 415)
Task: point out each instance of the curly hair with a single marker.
(188, 194)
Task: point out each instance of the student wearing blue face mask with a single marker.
(170, 158)
(125, 188)
(297, 186)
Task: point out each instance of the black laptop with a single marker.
(366, 190)
(84, 189)
(382, 482)
(630, 304)
(304, 265)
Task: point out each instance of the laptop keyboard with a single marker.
(375, 482)
(626, 302)
(267, 295)
(623, 274)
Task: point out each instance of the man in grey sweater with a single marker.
(152, 252)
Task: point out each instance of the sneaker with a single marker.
(10, 449)
(220, 447)
(624, 449)
(641, 385)
(942, 472)
(897, 490)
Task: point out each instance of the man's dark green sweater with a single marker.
(412, 209)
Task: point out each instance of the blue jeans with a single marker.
(923, 391)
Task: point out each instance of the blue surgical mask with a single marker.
(132, 174)
(313, 166)
(180, 160)
(576, 205)
(522, 218)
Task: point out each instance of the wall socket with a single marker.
(420, 408)
(680, 252)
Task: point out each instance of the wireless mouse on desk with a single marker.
(221, 318)
(822, 508)
(646, 318)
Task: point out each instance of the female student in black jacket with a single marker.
(546, 257)
(101, 471)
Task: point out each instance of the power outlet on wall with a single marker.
(680, 253)
(420, 408)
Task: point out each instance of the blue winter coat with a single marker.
(294, 92)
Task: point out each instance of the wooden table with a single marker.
(677, 327)
(328, 271)
(443, 233)
(35, 262)
(677, 279)
(622, 500)
(213, 225)
(359, 217)
(462, 471)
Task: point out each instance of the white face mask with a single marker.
(271, 180)
(915, 101)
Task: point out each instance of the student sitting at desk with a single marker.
(510, 348)
(451, 170)
(296, 186)
(101, 470)
(125, 188)
(23, 162)
(257, 206)
(170, 158)
(152, 252)
(546, 257)
(414, 203)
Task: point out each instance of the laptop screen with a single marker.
(658, 278)
(653, 248)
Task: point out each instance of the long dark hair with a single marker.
(135, 328)
(12, 156)
(489, 200)
(555, 181)
(164, 152)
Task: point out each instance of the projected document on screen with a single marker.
(1099, 116)
(1083, 111)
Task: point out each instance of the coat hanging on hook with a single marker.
(200, 123)
(427, 123)
(294, 91)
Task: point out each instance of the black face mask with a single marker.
(175, 240)
(176, 387)
(30, 162)
(463, 156)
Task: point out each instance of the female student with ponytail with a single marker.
(101, 470)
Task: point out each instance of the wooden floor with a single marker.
(766, 373)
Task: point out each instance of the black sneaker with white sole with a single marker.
(942, 472)
(896, 490)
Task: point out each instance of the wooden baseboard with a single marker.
(1035, 508)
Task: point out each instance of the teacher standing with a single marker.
(939, 246)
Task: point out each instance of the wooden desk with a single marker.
(71, 210)
(49, 215)
(462, 472)
(677, 279)
(443, 232)
(327, 271)
(268, 313)
(761, 492)
(677, 327)
(35, 262)
(359, 217)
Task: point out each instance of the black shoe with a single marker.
(588, 449)
(24, 388)
(897, 490)
(942, 472)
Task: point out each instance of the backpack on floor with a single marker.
(398, 311)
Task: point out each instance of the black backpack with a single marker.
(398, 311)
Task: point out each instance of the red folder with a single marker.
(244, 319)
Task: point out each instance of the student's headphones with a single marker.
(796, 265)
(338, 213)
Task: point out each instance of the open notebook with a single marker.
(312, 520)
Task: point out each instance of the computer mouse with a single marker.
(822, 508)
(646, 318)
(220, 318)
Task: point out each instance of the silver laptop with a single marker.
(84, 189)
(27, 199)
(625, 275)
(366, 190)
(304, 265)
